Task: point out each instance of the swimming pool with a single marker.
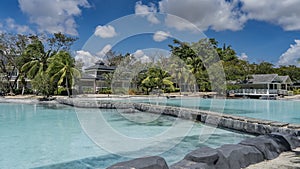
(42, 135)
(276, 110)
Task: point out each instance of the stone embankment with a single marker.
(233, 122)
(228, 156)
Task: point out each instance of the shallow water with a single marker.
(41, 135)
(276, 110)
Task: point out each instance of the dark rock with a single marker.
(264, 144)
(203, 155)
(153, 162)
(238, 125)
(250, 128)
(186, 164)
(236, 156)
(292, 140)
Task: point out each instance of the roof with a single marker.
(285, 79)
(268, 78)
(101, 66)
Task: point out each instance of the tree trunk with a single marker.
(67, 86)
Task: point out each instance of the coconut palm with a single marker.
(62, 70)
(37, 59)
(158, 78)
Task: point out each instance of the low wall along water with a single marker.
(232, 122)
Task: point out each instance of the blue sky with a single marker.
(259, 30)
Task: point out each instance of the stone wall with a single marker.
(233, 122)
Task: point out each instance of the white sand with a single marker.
(286, 160)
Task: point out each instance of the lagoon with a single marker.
(274, 110)
(34, 135)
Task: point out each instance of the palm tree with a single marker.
(62, 70)
(37, 59)
(158, 78)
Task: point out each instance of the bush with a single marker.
(26, 91)
(104, 91)
(296, 91)
(61, 91)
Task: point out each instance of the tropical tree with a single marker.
(157, 78)
(42, 85)
(11, 48)
(37, 58)
(62, 70)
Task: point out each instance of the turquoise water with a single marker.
(40, 135)
(277, 110)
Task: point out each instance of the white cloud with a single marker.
(243, 56)
(283, 13)
(105, 31)
(147, 11)
(160, 36)
(1, 27)
(141, 56)
(105, 49)
(86, 58)
(291, 56)
(13, 26)
(54, 15)
(215, 14)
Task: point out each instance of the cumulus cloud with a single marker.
(291, 56)
(160, 36)
(141, 56)
(1, 27)
(13, 26)
(243, 56)
(105, 49)
(283, 13)
(86, 58)
(105, 31)
(147, 11)
(54, 16)
(215, 14)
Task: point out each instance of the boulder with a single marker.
(236, 156)
(153, 162)
(266, 145)
(288, 140)
(203, 155)
(186, 164)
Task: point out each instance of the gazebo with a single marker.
(93, 77)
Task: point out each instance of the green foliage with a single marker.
(159, 79)
(62, 70)
(37, 58)
(296, 91)
(55, 62)
(60, 90)
(41, 84)
(105, 91)
(11, 48)
(291, 70)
